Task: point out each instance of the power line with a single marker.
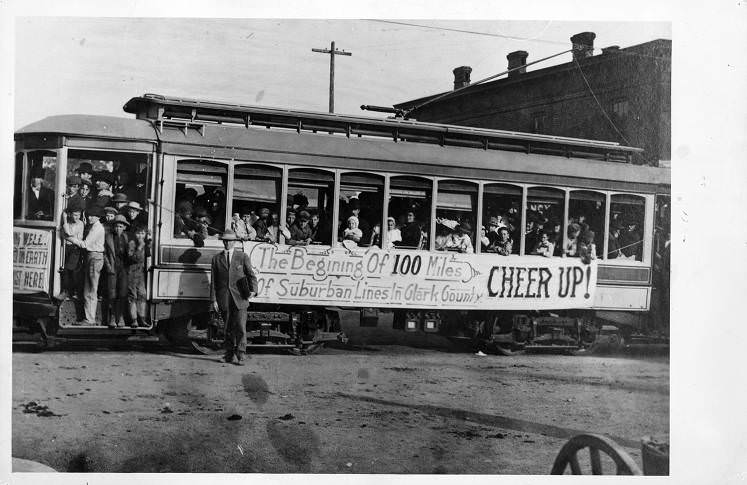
(474, 32)
(598, 103)
(451, 93)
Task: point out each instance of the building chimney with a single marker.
(613, 49)
(583, 45)
(461, 76)
(517, 59)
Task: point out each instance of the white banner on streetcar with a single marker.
(378, 278)
(31, 254)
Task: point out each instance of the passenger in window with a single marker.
(137, 251)
(631, 242)
(85, 172)
(238, 225)
(104, 181)
(273, 229)
(299, 202)
(545, 247)
(40, 198)
(494, 224)
(109, 214)
(354, 208)
(83, 197)
(186, 226)
(263, 226)
(72, 182)
(72, 228)
(290, 218)
(352, 232)
(461, 240)
(300, 233)
(503, 244)
(484, 240)
(586, 249)
(444, 236)
(571, 247)
(205, 223)
(613, 243)
(411, 232)
(119, 201)
(135, 214)
(321, 232)
(393, 234)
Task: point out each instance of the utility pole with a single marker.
(332, 52)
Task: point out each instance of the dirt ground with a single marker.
(386, 409)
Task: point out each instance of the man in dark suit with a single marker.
(232, 284)
(40, 199)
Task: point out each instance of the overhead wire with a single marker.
(612, 123)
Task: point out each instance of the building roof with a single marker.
(662, 47)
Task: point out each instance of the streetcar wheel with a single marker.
(569, 455)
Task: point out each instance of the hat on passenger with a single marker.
(120, 219)
(74, 205)
(84, 167)
(304, 216)
(72, 180)
(119, 197)
(229, 235)
(85, 182)
(465, 226)
(95, 210)
(111, 210)
(134, 205)
(494, 221)
(107, 177)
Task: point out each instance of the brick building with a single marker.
(632, 85)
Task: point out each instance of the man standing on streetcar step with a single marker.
(232, 284)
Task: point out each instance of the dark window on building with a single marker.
(621, 107)
(539, 122)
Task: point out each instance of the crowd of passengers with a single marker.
(106, 239)
(201, 217)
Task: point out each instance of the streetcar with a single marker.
(402, 215)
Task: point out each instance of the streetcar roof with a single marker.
(158, 107)
(93, 126)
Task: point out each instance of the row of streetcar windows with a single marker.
(204, 209)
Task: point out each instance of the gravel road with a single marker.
(386, 409)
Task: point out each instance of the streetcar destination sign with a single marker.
(31, 253)
(400, 278)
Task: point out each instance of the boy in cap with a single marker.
(119, 201)
(137, 252)
(71, 186)
(85, 172)
(93, 243)
(103, 188)
(232, 283)
(461, 240)
(83, 197)
(72, 228)
(135, 214)
(115, 256)
(300, 233)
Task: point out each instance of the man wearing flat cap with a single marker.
(104, 182)
(232, 284)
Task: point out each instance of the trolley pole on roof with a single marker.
(332, 52)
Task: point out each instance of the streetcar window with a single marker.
(199, 202)
(18, 192)
(545, 208)
(410, 200)
(587, 209)
(42, 170)
(313, 191)
(256, 201)
(456, 216)
(627, 219)
(361, 198)
(501, 207)
(126, 174)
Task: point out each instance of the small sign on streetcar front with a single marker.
(399, 278)
(31, 259)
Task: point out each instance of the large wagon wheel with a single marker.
(569, 455)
